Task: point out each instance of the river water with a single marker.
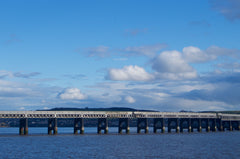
(65, 145)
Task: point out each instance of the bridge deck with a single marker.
(113, 114)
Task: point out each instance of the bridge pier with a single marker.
(78, 125)
(142, 123)
(214, 125)
(52, 126)
(199, 125)
(182, 122)
(190, 125)
(207, 126)
(239, 125)
(230, 126)
(102, 125)
(156, 125)
(176, 120)
(220, 123)
(23, 126)
(123, 125)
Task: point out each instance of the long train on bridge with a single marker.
(175, 120)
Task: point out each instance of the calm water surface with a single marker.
(38, 145)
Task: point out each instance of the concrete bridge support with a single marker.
(52, 126)
(158, 123)
(230, 126)
(78, 125)
(23, 126)
(188, 121)
(176, 120)
(142, 123)
(214, 125)
(102, 125)
(227, 125)
(207, 124)
(219, 124)
(199, 125)
(190, 125)
(123, 125)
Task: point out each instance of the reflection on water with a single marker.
(66, 145)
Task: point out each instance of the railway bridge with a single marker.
(172, 120)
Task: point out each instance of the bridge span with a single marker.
(172, 120)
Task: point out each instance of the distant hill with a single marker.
(224, 112)
(97, 109)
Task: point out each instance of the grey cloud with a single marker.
(228, 8)
(200, 23)
(134, 32)
(228, 93)
(231, 67)
(145, 50)
(76, 76)
(219, 51)
(28, 75)
(194, 55)
(5, 74)
(105, 51)
(99, 51)
(12, 39)
(226, 77)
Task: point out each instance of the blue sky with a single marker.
(159, 55)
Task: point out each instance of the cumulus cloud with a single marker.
(130, 99)
(72, 94)
(228, 8)
(129, 73)
(195, 55)
(171, 65)
(172, 62)
(146, 50)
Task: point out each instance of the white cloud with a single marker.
(129, 73)
(72, 94)
(130, 99)
(195, 55)
(171, 62)
(171, 65)
(4, 74)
